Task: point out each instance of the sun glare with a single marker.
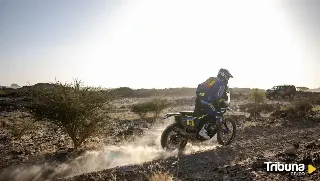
(181, 43)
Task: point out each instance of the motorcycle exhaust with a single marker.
(183, 133)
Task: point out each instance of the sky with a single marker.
(160, 44)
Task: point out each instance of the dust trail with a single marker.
(144, 149)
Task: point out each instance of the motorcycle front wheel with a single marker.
(227, 126)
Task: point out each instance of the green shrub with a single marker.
(154, 106)
(78, 110)
(142, 109)
(257, 96)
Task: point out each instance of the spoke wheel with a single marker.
(226, 131)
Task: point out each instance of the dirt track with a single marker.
(237, 162)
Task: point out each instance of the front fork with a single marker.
(216, 126)
(225, 128)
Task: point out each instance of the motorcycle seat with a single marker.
(187, 113)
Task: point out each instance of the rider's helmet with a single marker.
(224, 75)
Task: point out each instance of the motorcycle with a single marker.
(183, 130)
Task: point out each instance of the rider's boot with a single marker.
(203, 132)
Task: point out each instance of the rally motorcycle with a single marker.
(184, 129)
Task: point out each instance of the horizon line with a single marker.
(183, 87)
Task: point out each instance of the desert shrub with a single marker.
(142, 109)
(299, 105)
(255, 109)
(159, 105)
(160, 176)
(154, 106)
(287, 108)
(124, 92)
(296, 109)
(302, 105)
(266, 108)
(78, 110)
(257, 96)
(22, 127)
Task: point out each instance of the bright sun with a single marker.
(166, 39)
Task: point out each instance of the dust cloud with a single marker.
(143, 149)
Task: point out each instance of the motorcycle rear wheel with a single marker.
(165, 137)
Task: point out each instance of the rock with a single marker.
(292, 150)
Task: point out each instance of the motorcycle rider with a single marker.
(209, 97)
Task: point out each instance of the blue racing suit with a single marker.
(208, 95)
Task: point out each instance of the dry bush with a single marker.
(302, 105)
(287, 108)
(78, 110)
(296, 109)
(160, 176)
(256, 109)
(299, 105)
(248, 124)
(316, 109)
(154, 106)
(22, 127)
(124, 92)
(257, 96)
(266, 108)
(142, 109)
(159, 105)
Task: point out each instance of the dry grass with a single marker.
(24, 127)
(249, 124)
(316, 109)
(160, 176)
